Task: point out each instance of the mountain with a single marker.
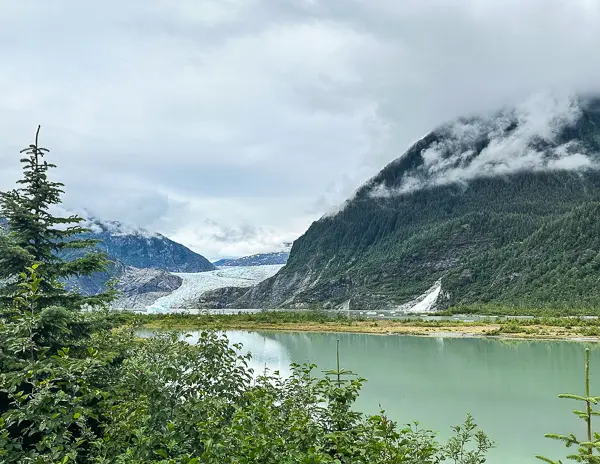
(261, 259)
(139, 288)
(499, 209)
(141, 249)
(141, 264)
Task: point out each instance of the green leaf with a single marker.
(572, 397)
(162, 453)
(549, 461)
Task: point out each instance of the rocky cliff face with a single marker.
(141, 287)
(137, 288)
(133, 281)
(502, 209)
(218, 298)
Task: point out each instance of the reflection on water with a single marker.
(267, 353)
(510, 388)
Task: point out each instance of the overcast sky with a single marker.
(231, 125)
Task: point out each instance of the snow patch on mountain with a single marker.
(261, 259)
(195, 284)
(117, 228)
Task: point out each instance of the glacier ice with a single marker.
(196, 283)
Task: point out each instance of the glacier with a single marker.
(196, 283)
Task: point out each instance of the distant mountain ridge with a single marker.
(139, 248)
(260, 259)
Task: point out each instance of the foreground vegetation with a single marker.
(77, 386)
(498, 309)
(76, 391)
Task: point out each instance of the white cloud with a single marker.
(261, 114)
(511, 137)
(573, 162)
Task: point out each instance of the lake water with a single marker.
(509, 387)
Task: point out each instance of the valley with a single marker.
(459, 326)
(486, 214)
(300, 232)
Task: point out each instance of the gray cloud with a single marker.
(262, 114)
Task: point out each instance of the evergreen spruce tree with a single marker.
(33, 235)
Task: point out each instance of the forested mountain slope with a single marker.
(501, 209)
